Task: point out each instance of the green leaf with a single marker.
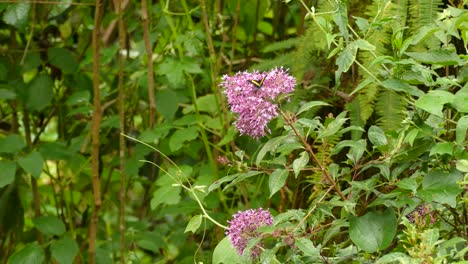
(11, 144)
(277, 180)
(32, 163)
(30, 254)
(40, 92)
(462, 126)
(270, 146)
(462, 165)
(442, 148)
(225, 253)
(168, 102)
(150, 241)
(307, 247)
(165, 195)
(64, 250)
(377, 136)
(49, 225)
(357, 148)
(333, 126)
(399, 86)
(207, 103)
(373, 231)
(364, 45)
(395, 257)
(408, 184)
(181, 136)
(31, 62)
(310, 105)
(62, 59)
(300, 163)
(194, 224)
(8, 169)
(7, 94)
(17, 15)
(55, 151)
(346, 58)
(436, 56)
(433, 102)
(441, 186)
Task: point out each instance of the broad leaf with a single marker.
(300, 163)
(17, 15)
(40, 92)
(32, 163)
(377, 136)
(433, 102)
(64, 250)
(165, 195)
(437, 56)
(441, 186)
(181, 136)
(62, 59)
(11, 144)
(49, 225)
(30, 254)
(8, 169)
(225, 253)
(373, 231)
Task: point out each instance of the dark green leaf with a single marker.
(30, 254)
(49, 225)
(181, 136)
(7, 94)
(150, 241)
(442, 148)
(62, 59)
(32, 163)
(8, 169)
(40, 92)
(11, 144)
(373, 231)
(64, 250)
(31, 62)
(55, 151)
(441, 186)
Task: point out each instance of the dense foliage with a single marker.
(120, 121)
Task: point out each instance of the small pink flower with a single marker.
(243, 228)
(256, 105)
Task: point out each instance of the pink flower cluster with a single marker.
(243, 228)
(256, 105)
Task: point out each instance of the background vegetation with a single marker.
(375, 129)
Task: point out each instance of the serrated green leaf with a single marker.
(442, 148)
(11, 144)
(307, 247)
(333, 127)
(433, 102)
(364, 45)
(346, 58)
(373, 231)
(194, 224)
(269, 146)
(441, 186)
(30, 254)
(40, 92)
(32, 163)
(300, 163)
(64, 250)
(276, 180)
(8, 169)
(49, 225)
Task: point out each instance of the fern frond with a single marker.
(391, 110)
